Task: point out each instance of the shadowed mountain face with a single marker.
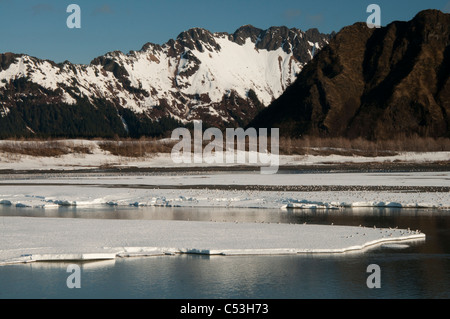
(372, 83)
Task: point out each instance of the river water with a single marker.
(417, 270)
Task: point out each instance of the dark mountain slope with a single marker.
(372, 83)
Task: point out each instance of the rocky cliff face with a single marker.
(223, 79)
(372, 83)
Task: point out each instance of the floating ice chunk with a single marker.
(65, 203)
(377, 204)
(393, 204)
(304, 204)
(22, 205)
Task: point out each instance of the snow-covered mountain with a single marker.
(221, 78)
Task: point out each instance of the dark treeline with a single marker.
(81, 120)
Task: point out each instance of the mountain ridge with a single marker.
(198, 75)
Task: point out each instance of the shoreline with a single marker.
(230, 189)
(266, 188)
(331, 167)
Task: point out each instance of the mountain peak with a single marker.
(196, 38)
(245, 32)
(194, 33)
(430, 14)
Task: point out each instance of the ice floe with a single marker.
(27, 239)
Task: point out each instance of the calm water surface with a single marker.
(420, 270)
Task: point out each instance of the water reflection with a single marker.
(421, 270)
(262, 277)
(346, 215)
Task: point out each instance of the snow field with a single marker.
(99, 158)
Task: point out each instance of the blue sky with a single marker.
(38, 27)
